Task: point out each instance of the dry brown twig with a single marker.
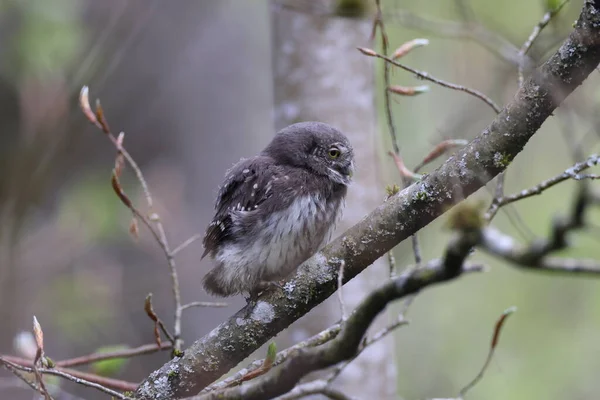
(112, 383)
(428, 77)
(404, 49)
(40, 358)
(98, 119)
(494, 343)
(316, 340)
(65, 375)
(533, 36)
(122, 353)
(158, 324)
(520, 78)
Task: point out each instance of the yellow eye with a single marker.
(334, 153)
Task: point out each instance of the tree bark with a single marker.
(392, 222)
(319, 76)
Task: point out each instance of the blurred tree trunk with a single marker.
(319, 75)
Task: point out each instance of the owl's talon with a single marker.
(260, 288)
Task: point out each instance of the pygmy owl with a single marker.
(275, 210)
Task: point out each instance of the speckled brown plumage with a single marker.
(275, 210)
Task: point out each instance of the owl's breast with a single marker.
(292, 235)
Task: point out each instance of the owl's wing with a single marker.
(244, 189)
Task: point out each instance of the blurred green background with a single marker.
(190, 83)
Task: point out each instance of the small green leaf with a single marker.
(271, 353)
(109, 367)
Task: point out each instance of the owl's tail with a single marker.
(213, 283)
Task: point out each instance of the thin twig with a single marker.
(447, 29)
(202, 304)
(428, 77)
(392, 263)
(316, 340)
(158, 324)
(99, 120)
(440, 149)
(340, 290)
(185, 244)
(320, 386)
(101, 380)
(406, 175)
(22, 377)
(400, 321)
(534, 35)
(378, 23)
(124, 353)
(569, 173)
(40, 358)
(529, 258)
(62, 374)
(493, 345)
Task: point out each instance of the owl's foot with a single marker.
(260, 288)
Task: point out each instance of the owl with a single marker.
(277, 209)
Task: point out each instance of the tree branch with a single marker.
(397, 219)
(347, 343)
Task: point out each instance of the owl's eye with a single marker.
(334, 153)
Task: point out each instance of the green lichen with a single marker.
(391, 190)
(177, 353)
(172, 375)
(502, 160)
(421, 196)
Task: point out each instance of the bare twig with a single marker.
(470, 30)
(99, 120)
(40, 358)
(392, 263)
(202, 304)
(378, 23)
(347, 343)
(158, 324)
(340, 290)
(185, 244)
(23, 378)
(440, 149)
(265, 367)
(570, 173)
(65, 375)
(123, 353)
(532, 258)
(533, 36)
(493, 345)
(400, 321)
(104, 381)
(428, 77)
(316, 340)
(320, 386)
(405, 173)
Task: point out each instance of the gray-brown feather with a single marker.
(275, 210)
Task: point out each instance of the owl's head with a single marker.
(316, 146)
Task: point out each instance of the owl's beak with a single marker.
(348, 172)
(351, 170)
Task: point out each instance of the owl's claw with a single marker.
(260, 288)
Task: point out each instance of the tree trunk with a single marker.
(320, 76)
